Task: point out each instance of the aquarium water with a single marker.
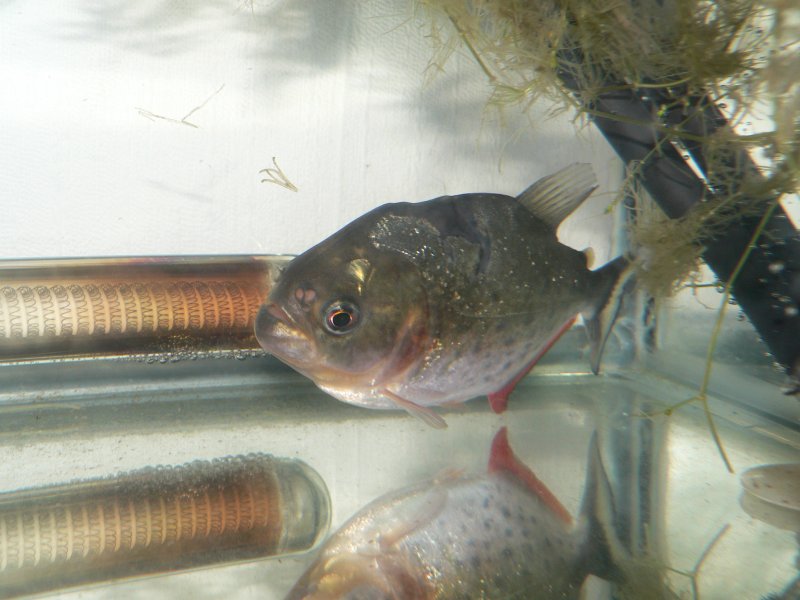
(207, 142)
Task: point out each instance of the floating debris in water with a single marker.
(278, 177)
(183, 120)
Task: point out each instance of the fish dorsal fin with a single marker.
(554, 197)
(502, 459)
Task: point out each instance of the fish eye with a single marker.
(341, 316)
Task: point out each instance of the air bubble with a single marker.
(776, 267)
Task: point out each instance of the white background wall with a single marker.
(339, 91)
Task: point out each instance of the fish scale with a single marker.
(490, 311)
(495, 548)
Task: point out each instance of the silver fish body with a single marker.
(489, 536)
(439, 301)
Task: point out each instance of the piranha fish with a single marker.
(414, 305)
(499, 535)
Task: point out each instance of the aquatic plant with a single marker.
(740, 56)
(694, 573)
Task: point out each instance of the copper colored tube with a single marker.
(158, 520)
(130, 306)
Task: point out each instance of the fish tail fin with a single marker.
(603, 552)
(615, 280)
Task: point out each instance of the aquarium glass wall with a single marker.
(163, 162)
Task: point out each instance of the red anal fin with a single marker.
(499, 399)
(502, 459)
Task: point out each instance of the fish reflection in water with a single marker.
(415, 305)
(502, 534)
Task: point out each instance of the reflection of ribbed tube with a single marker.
(55, 534)
(158, 520)
(129, 306)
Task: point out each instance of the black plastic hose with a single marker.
(767, 288)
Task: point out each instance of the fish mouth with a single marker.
(280, 335)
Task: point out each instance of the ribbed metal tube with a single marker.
(130, 306)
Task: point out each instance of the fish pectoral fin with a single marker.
(423, 413)
(432, 505)
(499, 400)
